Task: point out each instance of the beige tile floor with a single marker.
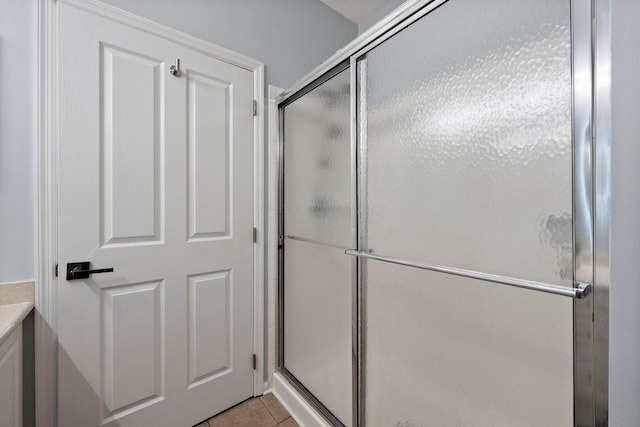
(263, 411)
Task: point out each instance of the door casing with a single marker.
(46, 188)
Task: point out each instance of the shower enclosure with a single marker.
(437, 219)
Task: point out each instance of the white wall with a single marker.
(17, 62)
(624, 360)
(290, 37)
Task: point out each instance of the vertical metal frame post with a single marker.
(361, 172)
(591, 44)
(355, 291)
(602, 200)
(582, 130)
(280, 190)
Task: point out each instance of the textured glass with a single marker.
(317, 154)
(317, 208)
(317, 323)
(469, 140)
(448, 351)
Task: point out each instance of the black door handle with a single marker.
(82, 270)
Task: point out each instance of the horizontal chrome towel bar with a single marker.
(580, 291)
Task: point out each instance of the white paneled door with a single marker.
(156, 182)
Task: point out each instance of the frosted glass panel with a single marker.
(469, 136)
(448, 351)
(317, 323)
(317, 170)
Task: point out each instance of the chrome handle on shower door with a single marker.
(580, 291)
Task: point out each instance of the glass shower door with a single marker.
(465, 135)
(316, 276)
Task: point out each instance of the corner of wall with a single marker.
(624, 328)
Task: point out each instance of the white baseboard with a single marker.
(299, 409)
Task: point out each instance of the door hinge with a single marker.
(255, 235)
(56, 270)
(255, 108)
(255, 362)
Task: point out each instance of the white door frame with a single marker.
(46, 188)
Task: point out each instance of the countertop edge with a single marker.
(11, 316)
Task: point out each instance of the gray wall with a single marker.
(17, 62)
(624, 381)
(289, 37)
(380, 13)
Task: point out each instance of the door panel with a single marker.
(156, 181)
(318, 229)
(317, 345)
(444, 350)
(318, 152)
(465, 119)
(209, 116)
(469, 140)
(137, 304)
(210, 329)
(132, 139)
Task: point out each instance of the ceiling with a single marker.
(355, 10)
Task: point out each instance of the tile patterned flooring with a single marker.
(263, 411)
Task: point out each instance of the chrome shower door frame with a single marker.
(281, 368)
(601, 113)
(591, 116)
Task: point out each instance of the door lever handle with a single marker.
(82, 270)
